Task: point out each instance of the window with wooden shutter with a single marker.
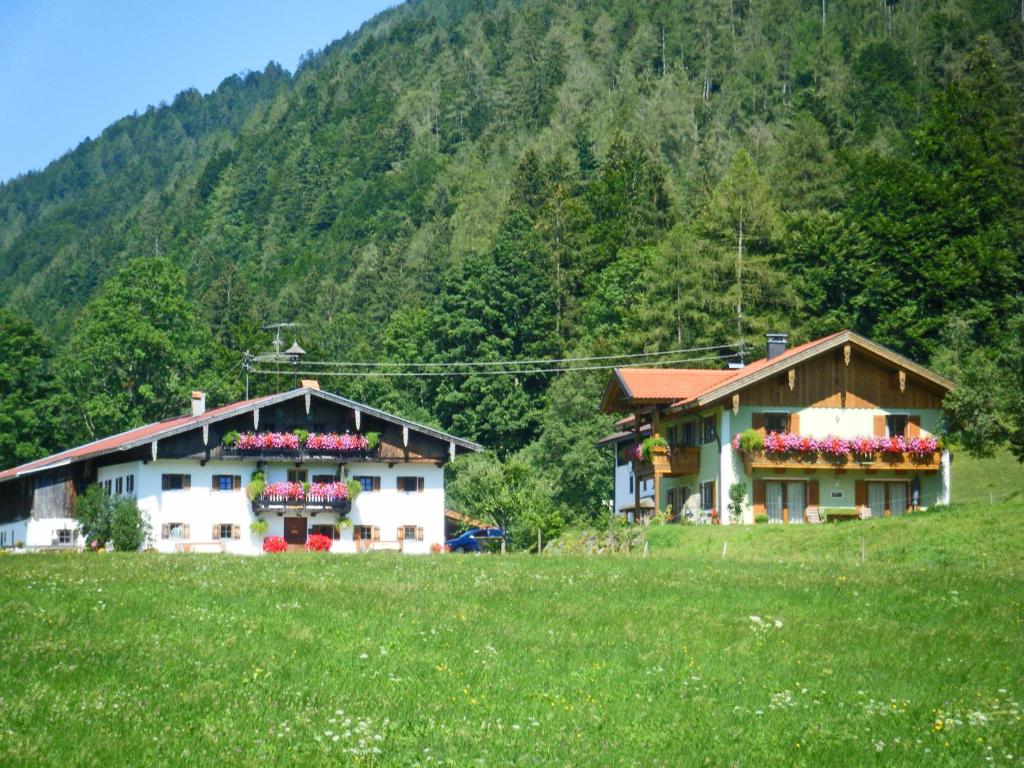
(400, 534)
(226, 482)
(757, 423)
(794, 423)
(186, 532)
(368, 483)
(236, 532)
(165, 531)
(409, 484)
(878, 425)
(914, 426)
(419, 533)
(216, 532)
(896, 425)
(775, 421)
(376, 533)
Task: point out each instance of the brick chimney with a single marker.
(776, 344)
(198, 402)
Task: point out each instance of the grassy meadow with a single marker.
(789, 651)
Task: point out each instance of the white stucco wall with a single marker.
(34, 533)
(200, 507)
(624, 499)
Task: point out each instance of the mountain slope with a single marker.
(662, 175)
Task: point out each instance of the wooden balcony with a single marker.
(299, 455)
(879, 462)
(280, 504)
(679, 462)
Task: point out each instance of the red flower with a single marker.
(318, 543)
(275, 544)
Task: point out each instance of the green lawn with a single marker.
(787, 652)
(1000, 478)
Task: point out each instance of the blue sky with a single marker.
(69, 68)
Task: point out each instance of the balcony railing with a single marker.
(299, 454)
(674, 462)
(282, 504)
(882, 461)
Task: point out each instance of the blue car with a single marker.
(476, 540)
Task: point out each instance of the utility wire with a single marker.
(539, 361)
(517, 371)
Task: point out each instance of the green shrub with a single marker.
(230, 439)
(303, 435)
(647, 446)
(94, 510)
(751, 441)
(838, 514)
(737, 495)
(128, 528)
(760, 518)
(372, 440)
(259, 526)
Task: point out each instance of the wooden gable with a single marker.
(828, 381)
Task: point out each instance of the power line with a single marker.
(538, 361)
(518, 371)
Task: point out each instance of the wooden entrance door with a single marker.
(295, 532)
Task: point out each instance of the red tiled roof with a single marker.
(124, 439)
(683, 386)
(669, 383)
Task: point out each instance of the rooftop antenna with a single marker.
(292, 355)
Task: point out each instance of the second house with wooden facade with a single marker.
(838, 427)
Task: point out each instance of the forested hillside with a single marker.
(476, 180)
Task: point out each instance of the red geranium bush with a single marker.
(318, 543)
(275, 544)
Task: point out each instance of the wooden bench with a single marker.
(208, 547)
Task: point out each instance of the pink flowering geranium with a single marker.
(256, 441)
(922, 447)
(634, 452)
(863, 445)
(285, 490)
(894, 444)
(332, 441)
(327, 491)
(834, 447)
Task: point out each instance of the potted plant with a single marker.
(748, 442)
(655, 450)
(256, 485)
(259, 526)
(230, 440)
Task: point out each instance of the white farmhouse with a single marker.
(192, 477)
